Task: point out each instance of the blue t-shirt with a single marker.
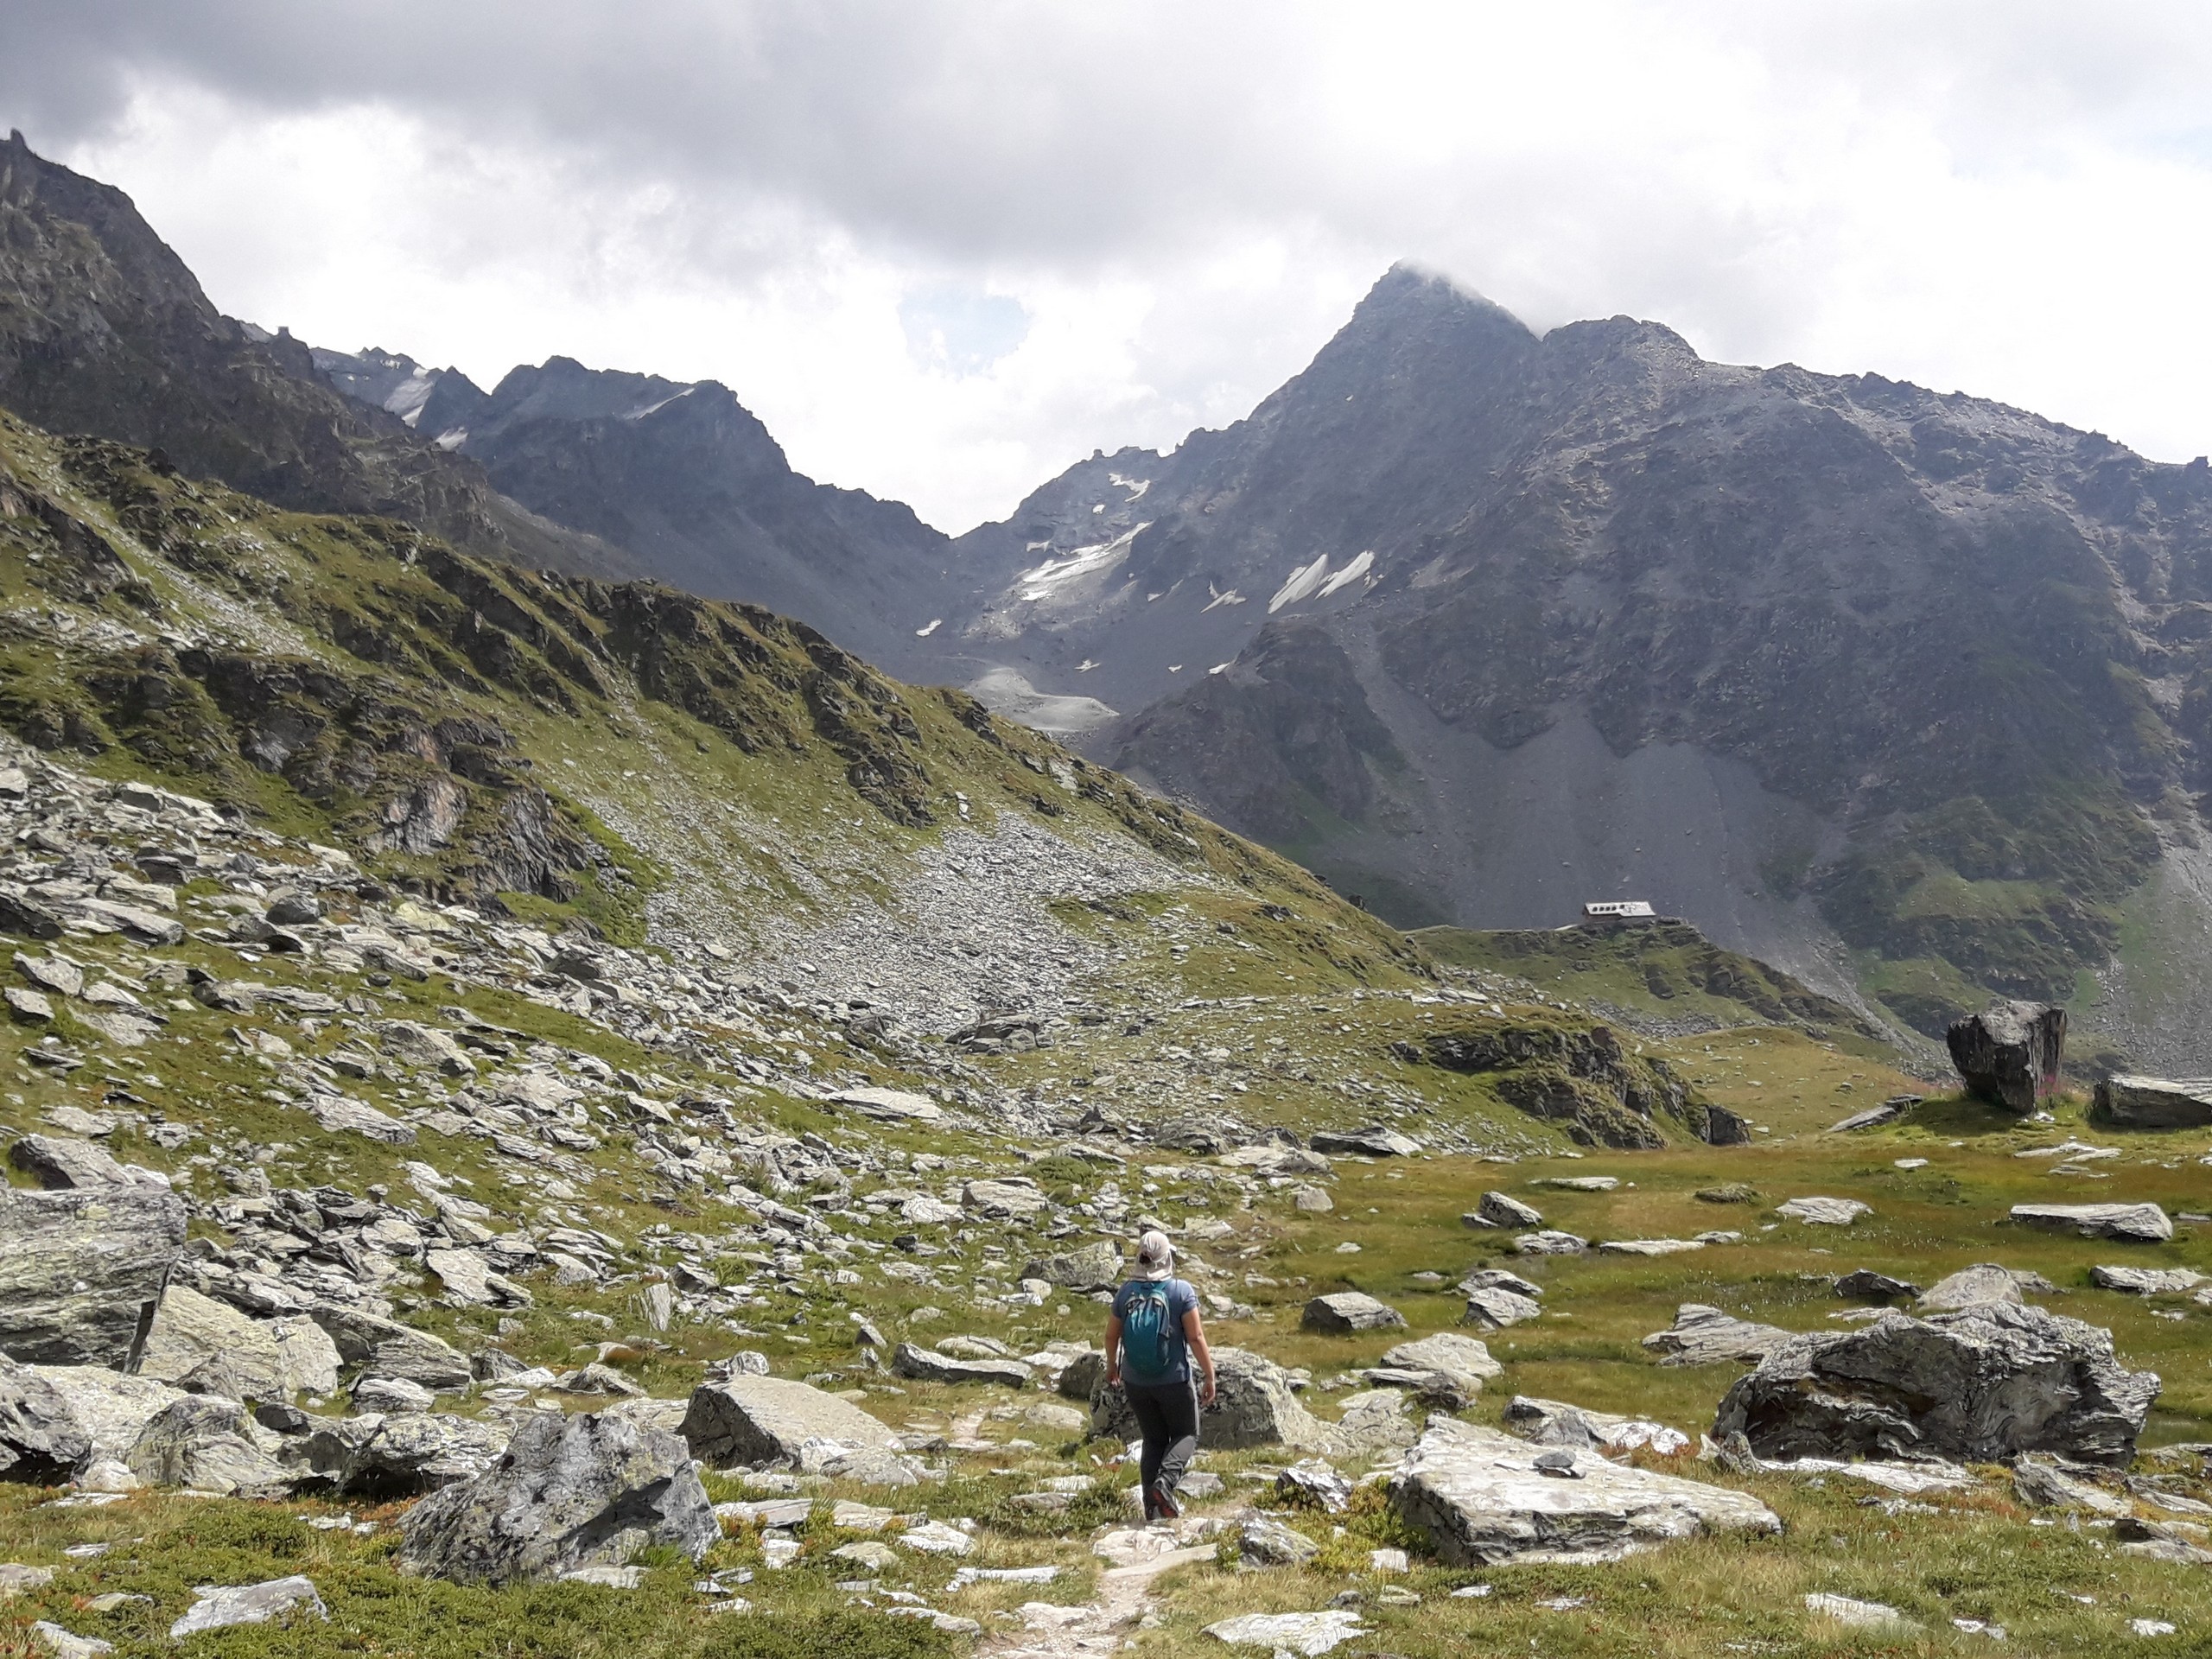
(1181, 1299)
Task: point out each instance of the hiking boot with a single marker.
(1163, 1505)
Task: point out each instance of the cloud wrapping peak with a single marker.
(1181, 201)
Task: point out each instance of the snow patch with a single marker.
(640, 413)
(935, 622)
(1313, 581)
(1135, 486)
(1228, 597)
(1040, 581)
(1351, 573)
(452, 439)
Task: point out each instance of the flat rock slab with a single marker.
(2146, 1282)
(928, 1365)
(1446, 1352)
(2140, 1103)
(1482, 1498)
(1554, 1422)
(1979, 1385)
(1706, 1336)
(1349, 1311)
(1906, 1479)
(1550, 1243)
(220, 1606)
(890, 1105)
(749, 1420)
(1648, 1246)
(1985, 1281)
(1371, 1142)
(1309, 1634)
(1823, 1212)
(1578, 1183)
(1858, 1615)
(2131, 1224)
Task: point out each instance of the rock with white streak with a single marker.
(220, 1606)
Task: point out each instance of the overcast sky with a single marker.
(946, 249)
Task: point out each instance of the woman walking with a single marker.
(1150, 1337)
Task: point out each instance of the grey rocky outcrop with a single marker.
(56, 1403)
(1484, 1498)
(1982, 1384)
(757, 1420)
(568, 1492)
(1706, 1336)
(2126, 1101)
(82, 1270)
(209, 1347)
(2009, 1053)
(2129, 1224)
(1349, 1311)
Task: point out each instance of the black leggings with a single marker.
(1168, 1413)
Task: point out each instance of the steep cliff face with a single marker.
(104, 330)
(1921, 680)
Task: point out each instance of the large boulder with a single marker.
(210, 1445)
(1350, 1311)
(2138, 1102)
(2008, 1054)
(1087, 1266)
(381, 1347)
(569, 1493)
(2130, 1223)
(753, 1420)
(1253, 1406)
(82, 1270)
(1979, 1385)
(1484, 1498)
(1985, 1281)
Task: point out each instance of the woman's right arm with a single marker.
(1113, 1349)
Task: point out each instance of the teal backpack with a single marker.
(1148, 1333)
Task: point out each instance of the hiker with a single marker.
(1150, 1337)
